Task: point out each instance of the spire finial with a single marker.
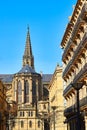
(28, 28)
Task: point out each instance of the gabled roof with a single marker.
(46, 77)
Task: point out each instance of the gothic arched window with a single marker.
(26, 91)
(19, 92)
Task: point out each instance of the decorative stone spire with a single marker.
(28, 58)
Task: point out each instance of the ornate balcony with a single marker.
(82, 43)
(72, 109)
(67, 89)
(82, 72)
(79, 20)
(67, 47)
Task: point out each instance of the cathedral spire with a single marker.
(28, 58)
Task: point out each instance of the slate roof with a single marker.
(26, 69)
(7, 78)
(46, 77)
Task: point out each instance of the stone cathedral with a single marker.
(25, 90)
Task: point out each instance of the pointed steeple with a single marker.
(28, 58)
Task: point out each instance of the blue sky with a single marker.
(47, 20)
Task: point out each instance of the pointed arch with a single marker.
(19, 92)
(26, 91)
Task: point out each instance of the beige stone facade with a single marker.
(43, 113)
(56, 101)
(3, 107)
(74, 44)
(43, 105)
(27, 100)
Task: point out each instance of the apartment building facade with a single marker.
(74, 45)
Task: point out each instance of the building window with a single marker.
(38, 124)
(21, 113)
(30, 123)
(26, 91)
(22, 124)
(31, 113)
(19, 92)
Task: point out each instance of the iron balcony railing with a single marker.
(81, 73)
(67, 89)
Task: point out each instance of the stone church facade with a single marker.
(24, 91)
(27, 91)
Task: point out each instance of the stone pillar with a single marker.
(22, 82)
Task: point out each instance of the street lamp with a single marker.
(77, 87)
(54, 108)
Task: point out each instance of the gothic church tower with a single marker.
(27, 91)
(28, 58)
